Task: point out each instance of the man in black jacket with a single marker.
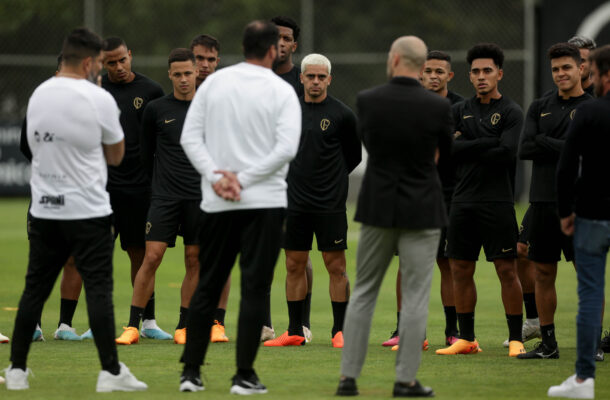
(402, 125)
(583, 197)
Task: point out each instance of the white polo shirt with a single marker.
(67, 122)
(247, 120)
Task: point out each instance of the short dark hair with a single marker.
(113, 43)
(438, 55)
(288, 22)
(80, 44)
(601, 58)
(582, 42)
(206, 41)
(180, 54)
(564, 50)
(486, 50)
(258, 37)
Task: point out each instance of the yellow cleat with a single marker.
(180, 336)
(461, 347)
(515, 348)
(130, 335)
(217, 334)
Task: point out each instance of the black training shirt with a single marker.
(293, 77)
(543, 137)
(328, 151)
(173, 176)
(485, 152)
(132, 98)
(446, 168)
(583, 173)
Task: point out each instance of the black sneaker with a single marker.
(605, 345)
(540, 351)
(417, 390)
(191, 384)
(347, 387)
(247, 386)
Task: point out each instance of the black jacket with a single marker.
(401, 125)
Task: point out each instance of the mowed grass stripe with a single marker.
(69, 370)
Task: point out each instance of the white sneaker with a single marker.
(66, 332)
(570, 388)
(123, 382)
(17, 379)
(530, 330)
(267, 333)
(3, 339)
(307, 333)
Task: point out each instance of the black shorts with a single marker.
(168, 218)
(330, 230)
(491, 225)
(129, 217)
(442, 244)
(524, 228)
(546, 240)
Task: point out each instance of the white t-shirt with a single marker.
(67, 122)
(247, 120)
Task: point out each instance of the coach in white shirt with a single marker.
(240, 133)
(73, 131)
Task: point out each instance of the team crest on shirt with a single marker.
(495, 118)
(324, 124)
(137, 102)
(572, 113)
(148, 226)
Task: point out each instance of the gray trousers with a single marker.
(417, 252)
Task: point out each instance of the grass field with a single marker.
(65, 370)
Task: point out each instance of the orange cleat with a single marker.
(338, 340)
(180, 336)
(515, 348)
(461, 347)
(425, 346)
(130, 335)
(286, 340)
(217, 334)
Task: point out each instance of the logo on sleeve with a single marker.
(137, 102)
(542, 115)
(324, 124)
(495, 118)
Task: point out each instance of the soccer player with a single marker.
(317, 190)
(482, 208)
(585, 45)
(289, 38)
(206, 49)
(543, 138)
(128, 183)
(583, 198)
(176, 193)
(73, 132)
(240, 133)
(436, 76)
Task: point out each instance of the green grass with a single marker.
(69, 370)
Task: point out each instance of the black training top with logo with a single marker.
(485, 151)
(328, 151)
(544, 134)
(132, 98)
(173, 176)
(293, 77)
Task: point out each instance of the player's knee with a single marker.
(152, 259)
(295, 266)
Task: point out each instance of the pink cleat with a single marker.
(392, 341)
